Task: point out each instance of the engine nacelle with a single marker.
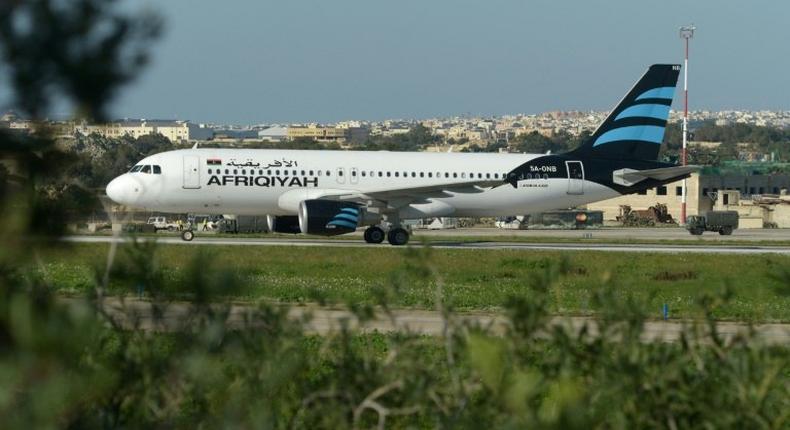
(283, 224)
(329, 218)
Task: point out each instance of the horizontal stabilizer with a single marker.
(629, 177)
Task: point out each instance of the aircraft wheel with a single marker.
(374, 235)
(187, 235)
(398, 236)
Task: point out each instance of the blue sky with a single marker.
(248, 61)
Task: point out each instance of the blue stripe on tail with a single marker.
(645, 111)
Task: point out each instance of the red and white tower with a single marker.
(686, 33)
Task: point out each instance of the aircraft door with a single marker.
(575, 177)
(191, 172)
(341, 175)
(354, 178)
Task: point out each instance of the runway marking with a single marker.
(634, 248)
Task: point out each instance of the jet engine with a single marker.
(329, 218)
(283, 224)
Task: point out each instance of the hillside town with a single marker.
(461, 130)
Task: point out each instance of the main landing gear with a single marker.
(396, 236)
(374, 235)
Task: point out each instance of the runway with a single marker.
(133, 313)
(706, 248)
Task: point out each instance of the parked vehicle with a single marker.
(722, 221)
(649, 217)
(161, 223)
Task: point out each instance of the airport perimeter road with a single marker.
(616, 233)
(139, 313)
(580, 246)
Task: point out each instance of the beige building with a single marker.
(704, 192)
(175, 131)
(331, 134)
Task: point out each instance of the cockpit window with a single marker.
(146, 169)
(136, 168)
(157, 170)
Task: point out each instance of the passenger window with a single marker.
(311, 173)
(302, 172)
(339, 173)
(397, 174)
(277, 172)
(157, 170)
(328, 173)
(488, 176)
(209, 171)
(422, 174)
(463, 175)
(364, 174)
(285, 173)
(446, 175)
(430, 174)
(294, 172)
(455, 175)
(146, 169)
(413, 175)
(380, 174)
(235, 171)
(243, 171)
(388, 174)
(353, 172)
(226, 171)
(546, 176)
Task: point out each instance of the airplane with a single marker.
(325, 192)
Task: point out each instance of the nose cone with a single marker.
(124, 190)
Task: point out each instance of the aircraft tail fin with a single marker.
(635, 128)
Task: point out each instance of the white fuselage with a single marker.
(274, 182)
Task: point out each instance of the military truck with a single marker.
(722, 221)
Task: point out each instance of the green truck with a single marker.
(722, 221)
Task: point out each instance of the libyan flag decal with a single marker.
(214, 162)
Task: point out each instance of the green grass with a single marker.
(473, 280)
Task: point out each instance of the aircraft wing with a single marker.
(401, 196)
(628, 177)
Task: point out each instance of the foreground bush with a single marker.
(72, 364)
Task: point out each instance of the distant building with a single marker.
(175, 131)
(321, 134)
(273, 134)
(703, 192)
